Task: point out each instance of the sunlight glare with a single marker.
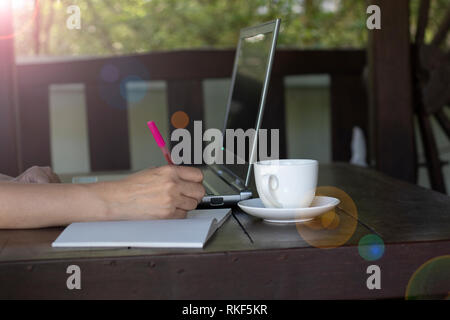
(22, 4)
(17, 5)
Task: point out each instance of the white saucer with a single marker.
(319, 205)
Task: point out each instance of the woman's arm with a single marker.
(44, 205)
(165, 192)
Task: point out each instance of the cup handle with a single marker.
(268, 179)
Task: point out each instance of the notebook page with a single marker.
(192, 232)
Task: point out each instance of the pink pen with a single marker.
(160, 141)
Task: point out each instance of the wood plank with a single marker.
(35, 245)
(301, 273)
(391, 99)
(278, 264)
(9, 157)
(349, 108)
(194, 64)
(107, 127)
(422, 23)
(433, 161)
(267, 235)
(443, 29)
(295, 62)
(396, 210)
(444, 122)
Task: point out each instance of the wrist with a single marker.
(100, 194)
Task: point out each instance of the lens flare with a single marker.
(431, 280)
(114, 78)
(179, 120)
(371, 247)
(19, 6)
(333, 228)
(109, 73)
(136, 95)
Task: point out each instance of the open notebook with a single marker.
(192, 232)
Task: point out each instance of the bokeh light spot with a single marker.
(329, 220)
(430, 281)
(131, 96)
(179, 120)
(371, 247)
(333, 228)
(109, 73)
(122, 83)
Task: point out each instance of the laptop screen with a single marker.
(253, 63)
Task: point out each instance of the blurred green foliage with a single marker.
(119, 26)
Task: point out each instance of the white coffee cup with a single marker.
(289, 183)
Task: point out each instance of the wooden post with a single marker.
(108, 143)
(274, 113)
(9, 157)
(35, 124)
(391, 91)
(347, 111)
(187, 96)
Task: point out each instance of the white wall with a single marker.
(308, 117)
(144, 151)
(68, 129)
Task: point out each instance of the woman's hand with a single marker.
(158, 193)
(38, 175)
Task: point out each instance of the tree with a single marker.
(120, 27)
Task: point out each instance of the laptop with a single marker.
(227, 184)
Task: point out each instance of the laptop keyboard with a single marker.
(214, 185)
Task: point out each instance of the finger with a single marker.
(193, 190)
(33, 175)
(24, 178)
(176, 214)
(186, 203)
(189, 173)
(52, 177)
(179, 214)
(39, 175)
(47, 170)
(39, 178)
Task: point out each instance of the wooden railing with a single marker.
(183, 72)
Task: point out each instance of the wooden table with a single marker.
(247, 258)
